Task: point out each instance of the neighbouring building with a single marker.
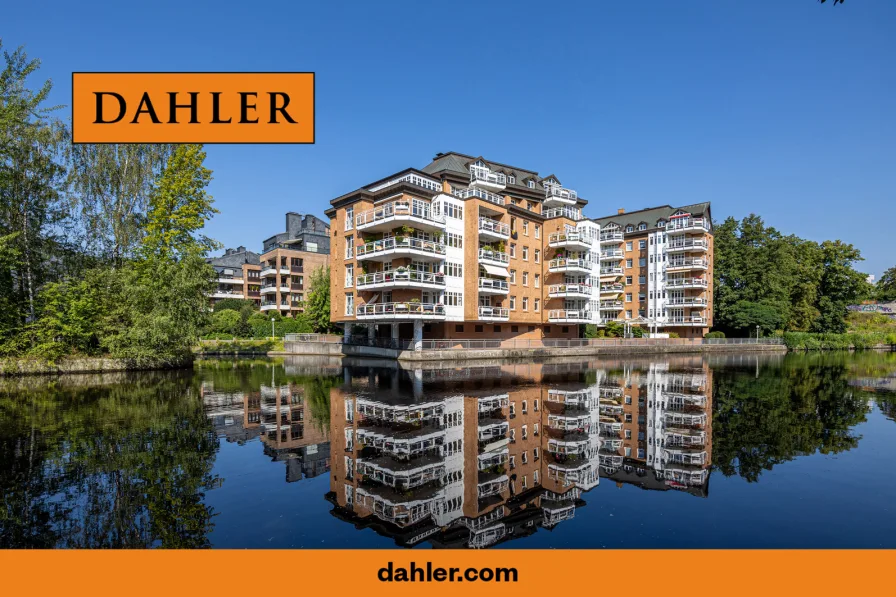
(466, 249)
(276, 279)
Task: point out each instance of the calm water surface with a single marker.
(767, 451)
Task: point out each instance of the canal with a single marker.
(752, 451)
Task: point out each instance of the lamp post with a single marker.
(272, 328)
(757, 332)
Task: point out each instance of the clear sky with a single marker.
(782, 108)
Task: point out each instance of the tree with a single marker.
(840, 286)
(233, 304)
(225, 322)
(745, 316)
(317, 306)
(109, 186)
(885, 290)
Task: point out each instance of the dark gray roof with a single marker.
(652, 215)
(235, 258)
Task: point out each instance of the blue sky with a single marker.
(782, 108)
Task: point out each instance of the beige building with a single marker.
(470, 249)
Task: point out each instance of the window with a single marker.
(349, 304)
(454, 240)
(525, 253)
(535, 453)
(642, 226)
(459, 328)
(513, 250)
(513, 276)
(525, 457)
(478, 329)
(349, 218)
(537, 231)
(525, 408)
(514, 328)
(642, 244)
(349, 246)
(642, 280)
(628, 314)
(641, 453)
(525, 303)
(628, 399)
(496, 329)
(628, 297)
(642, 262)
(565, 329)
(454, 211)
(525, 228)
(349, 276)
(547, 329)
(629, 228)
(628, 434)
(628, 452)
(628, 263)
(536, 305)
(530, 205)
(453, 269)
(531, 328)
(640, 296)
(454, 299)
(537, 256)
(512, 462)
(628, 246)
(513, 303)
(531, 184)
(661, 224)
(525, 434)
(535, 476)
(628, 280)
(525, 278)
(511, 179)
(311, 247)
(537, 281)
(535, 408)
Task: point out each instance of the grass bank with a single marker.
(74, 365)
(238, 346)
(848, 341)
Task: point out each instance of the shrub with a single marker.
(715, 335)
(233, 304)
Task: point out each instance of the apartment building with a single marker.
(466, 248)
(276, 279)
(656, 268)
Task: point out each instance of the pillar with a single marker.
(346, 332)
(395, 331)
(371, 331)
(418, 334)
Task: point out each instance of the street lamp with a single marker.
(272, 328)
(757, 332)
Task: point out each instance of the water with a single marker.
(738, 452)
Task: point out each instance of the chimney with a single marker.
(620, 211)
(241, 249)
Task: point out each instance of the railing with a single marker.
(557, 192)
(488, 225)
(611, 304)
(483, 174)
(569, 314)
(569, 237)
(687, 224)
(398, 208)
(563, 212)
(684, 301)
(479, 194)
(612, 288)
(611, 271)
(560, 289)
(687, 263)
(398, 277)
(673, 282)
(414, 179)
(408, 308)
(692, 319)
(611, 254)
(497, 312)
(562, 262)
(490, 255)
(687, 244)
(453, 344)
(611, 236)
(492, 284)
(388, 244)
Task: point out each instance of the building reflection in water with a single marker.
(280, 416)
(487, 454)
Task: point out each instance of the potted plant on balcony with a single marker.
(500, 246)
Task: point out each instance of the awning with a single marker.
(495, 270)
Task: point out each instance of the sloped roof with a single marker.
(651, 215)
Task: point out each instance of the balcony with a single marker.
(688, 457)
(496, 402)
(483, 177)
(564, 422)
(402, 475)
(570, 316)
(401, 279)
(490, 459)
(687, 301)
(685, 437)
(611, 237)
(273, 288)
(555, 195)
(685, 477)
(409, 311)
(399, 213)
(686, 283)
(492, 286)
(274, 306)
(226, 294)
(492, 485)
(686, 224)
(684, 419)
(271, 270)
(571, 447)
(687, 245)
(610, 427)
(569, 290)
(687, 264)
(490, 257)
(572, 240)
(479, 194)
(611, 288)
(610, 460)
(394, 247)
(611, 254)
(611, 305)
(400, 413)
(695, 320)
(493, 230)
(230, 280)
(610, 271)
(562, 264)
(493, 314)
(563, 212)
(491, 430)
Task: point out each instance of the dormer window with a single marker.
(642, 226)
(661, 224)
(531, 184)
(511, 179)
(629, 228)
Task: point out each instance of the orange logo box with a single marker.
(193, 107)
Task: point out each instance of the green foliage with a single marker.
(226, 322)
(715, 334)
(233, 304)
(858, 341)
(317, 304)
(885, 289)
(614, 329)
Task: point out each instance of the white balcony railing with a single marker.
(563, 212)
(494, 227)
(479, 194)
(696, 244)
(569, 290)
(562, 263)
(396, 310)
(496, 256)
(685, 301)
(611, 271)
(687, 264)
(611, 254)
(399, 278)
(687, 224)
(493, 284)
(686, 282)
(558, 193)
(399, 244)
(612, 305)
(611, 288)
(611, 236)
(484, 175)
(560, 239)
(570, 315)
(398, 210)
(693, 319)
(493, 313)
